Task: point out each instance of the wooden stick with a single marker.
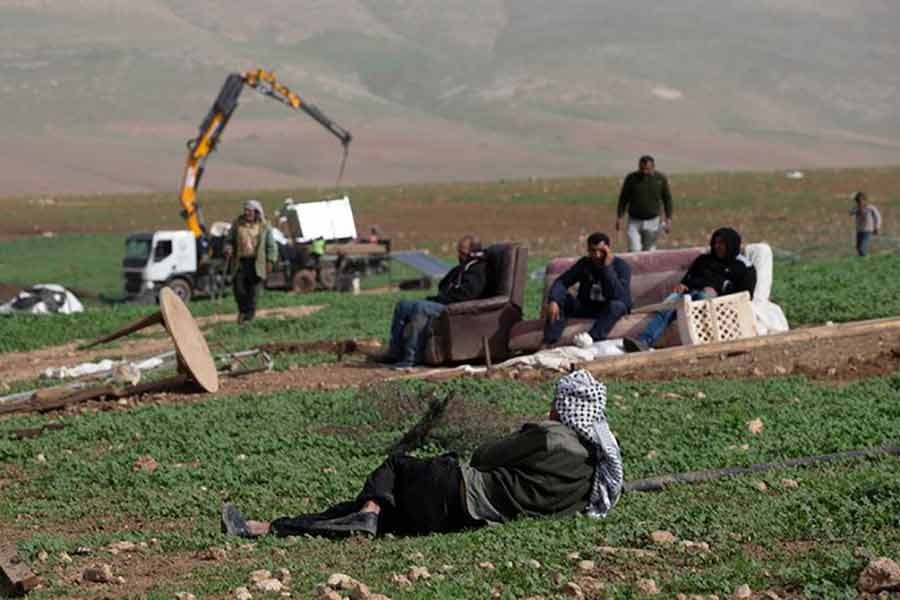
(487, 352)
(147, 321)
(656, 484)
(679, 354)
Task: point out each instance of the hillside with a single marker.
(100, 95)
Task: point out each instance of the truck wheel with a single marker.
(181, 288)
(328, 275)
(304, 281)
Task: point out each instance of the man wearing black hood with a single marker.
(721, 271)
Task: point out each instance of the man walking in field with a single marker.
(251, 250)
(604, 294)
(645, 193)
(569, 462)
(868, 222)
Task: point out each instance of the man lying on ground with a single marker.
(603, 291)
(466, 281)
(721, 271)
(567, 463)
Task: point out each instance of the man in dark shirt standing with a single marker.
(643, 193)
(466, 281)
(603, 291)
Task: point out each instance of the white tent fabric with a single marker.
(769, 316)
(42, 299)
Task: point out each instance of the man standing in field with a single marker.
(251, 250)
(466, 281)
(604, 293)
(868, 222)
(644, 194)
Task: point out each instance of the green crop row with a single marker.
(298, 451)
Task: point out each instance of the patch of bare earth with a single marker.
(19, 366)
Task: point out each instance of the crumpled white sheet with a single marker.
(769, 316)
(69, 303)
(563, 357)
(103, 366)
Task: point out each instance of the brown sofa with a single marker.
(653, 275)
(457, 335)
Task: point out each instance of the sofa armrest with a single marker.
(477, 306)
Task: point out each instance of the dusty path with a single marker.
(19, 366)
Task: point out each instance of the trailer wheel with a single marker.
(328, 273)
(181, 288)
(304, 281)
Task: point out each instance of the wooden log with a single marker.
(15, 576)
(679, 354)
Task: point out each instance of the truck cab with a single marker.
(166, 258)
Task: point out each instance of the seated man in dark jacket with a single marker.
(721, 271)
(603, 291)
(565, 464)
(466, 281)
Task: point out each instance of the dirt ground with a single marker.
(829, 361)
(19, 366)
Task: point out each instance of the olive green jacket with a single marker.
(266, 249)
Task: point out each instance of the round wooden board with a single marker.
(189, 342)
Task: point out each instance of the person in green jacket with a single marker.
(645, 193)
(569, 462)
(251, 250)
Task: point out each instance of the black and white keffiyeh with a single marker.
(580, 401)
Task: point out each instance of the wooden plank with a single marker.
(15, 576)
(679, 354)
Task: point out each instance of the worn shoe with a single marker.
(403, 365)
(634, 345)
(233, 522)
(352, 524)
(385, 358)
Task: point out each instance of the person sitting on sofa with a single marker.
(604, 294)
(466, 281)
(721, 271)
(568, 463)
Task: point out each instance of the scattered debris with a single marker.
(572, 590)
(880, 575)
(417, 573)
(755, 426)
(146, 464)
(185, 596)
(101, 573)
(692, 547)
(242, 593)
(211, 554)
(789, 483)
(586, 566)
(742, 592)
(15, 575)
(760, 486)
(647, 587)
(663, 537)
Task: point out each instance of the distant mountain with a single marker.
(100, 95)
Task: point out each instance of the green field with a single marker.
(808, 534)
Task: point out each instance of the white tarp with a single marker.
(563, 357)
(43, 299)
(328, 219)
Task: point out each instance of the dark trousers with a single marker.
(246, 287)
(570, 308)
(862, 242)
(417, 496)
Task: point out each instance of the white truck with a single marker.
(170, 258)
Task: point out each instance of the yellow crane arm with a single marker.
(217, 118)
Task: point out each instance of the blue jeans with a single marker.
(606, 317)
(862, 242)
(657, 326)
(413, 316)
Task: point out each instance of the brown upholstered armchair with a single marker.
(458, 335)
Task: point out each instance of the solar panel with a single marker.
(422, 262)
